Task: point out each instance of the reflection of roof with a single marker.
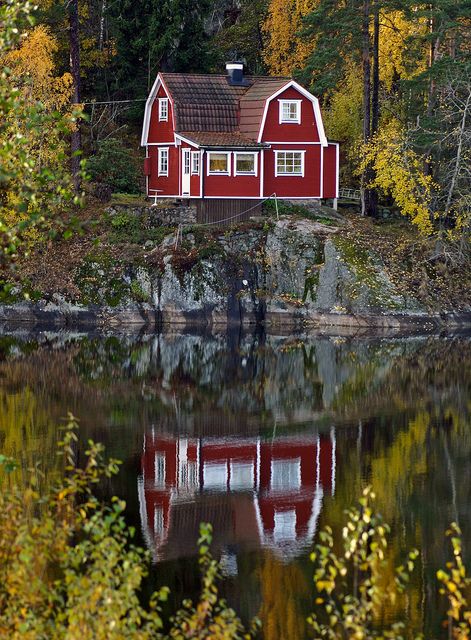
(220, 139)
(205, 102)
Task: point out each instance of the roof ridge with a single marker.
(223, 75)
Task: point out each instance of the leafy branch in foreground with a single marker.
(358, 590)
(69, 567)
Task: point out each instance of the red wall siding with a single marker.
(168, 186)
(294, 186)
(330, 171)
(160, 131)
(306, 131)
(231, 186)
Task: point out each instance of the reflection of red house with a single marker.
(254, 491)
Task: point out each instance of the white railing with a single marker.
(350, 194)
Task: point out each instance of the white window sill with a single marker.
(292, 175)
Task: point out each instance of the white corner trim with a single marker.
(255, 163)
(321, 177)
(337, 155)
(201, 172)
(148, 108)
(315, 104)
(262, 161)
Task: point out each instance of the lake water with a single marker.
(267, 437)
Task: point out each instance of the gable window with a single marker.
(290, 111)
(245, 164)
(289, 163)
(218, 163)
(195, 162)
(163, 109)
(163, 161)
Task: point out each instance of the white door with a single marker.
(186, 172)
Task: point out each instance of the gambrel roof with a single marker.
(205, 104)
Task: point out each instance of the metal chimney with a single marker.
(235, 73)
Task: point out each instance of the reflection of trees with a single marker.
(419, 468)
(28, 434)
(284, 587)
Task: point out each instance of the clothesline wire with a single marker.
(237, 215)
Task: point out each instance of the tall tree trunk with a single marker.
(75, 143)
(375, 98)
(365, 192)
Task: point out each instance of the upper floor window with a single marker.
(218, 163)
(289, 163)
(245, 164)
(290, 111)
(163, 109)
(163, 161)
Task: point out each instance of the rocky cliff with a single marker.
(293, 271)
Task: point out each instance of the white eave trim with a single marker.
(315, 104)
(148, 108)
(187, 140)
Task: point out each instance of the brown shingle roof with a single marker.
(208, 103)
(221, 139)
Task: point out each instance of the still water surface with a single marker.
(268, 437)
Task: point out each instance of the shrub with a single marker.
(69, 568)
(358, 588)
(115, 166)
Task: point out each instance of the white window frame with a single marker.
(282, 119)
(163, 109)
(162, 171)
(292, 175)
(195, 163)
(219, 173)
(254, 154)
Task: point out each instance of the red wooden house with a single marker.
(235, 137)
(255, 492)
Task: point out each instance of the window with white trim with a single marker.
(246, 164)
(195, 162)
(218, 163)
(163, 161)
(163, 109)
(290, 111)
(289, 163)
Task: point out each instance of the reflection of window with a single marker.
(285, 526)
(242, 475)
(218, 163)
(290, 111)
(159, 469)
(289, 163)
(215, 476)
(286, 474)
(158, 521)
(195, 162)
(163, 161)
(245, 163)
(163, 109)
